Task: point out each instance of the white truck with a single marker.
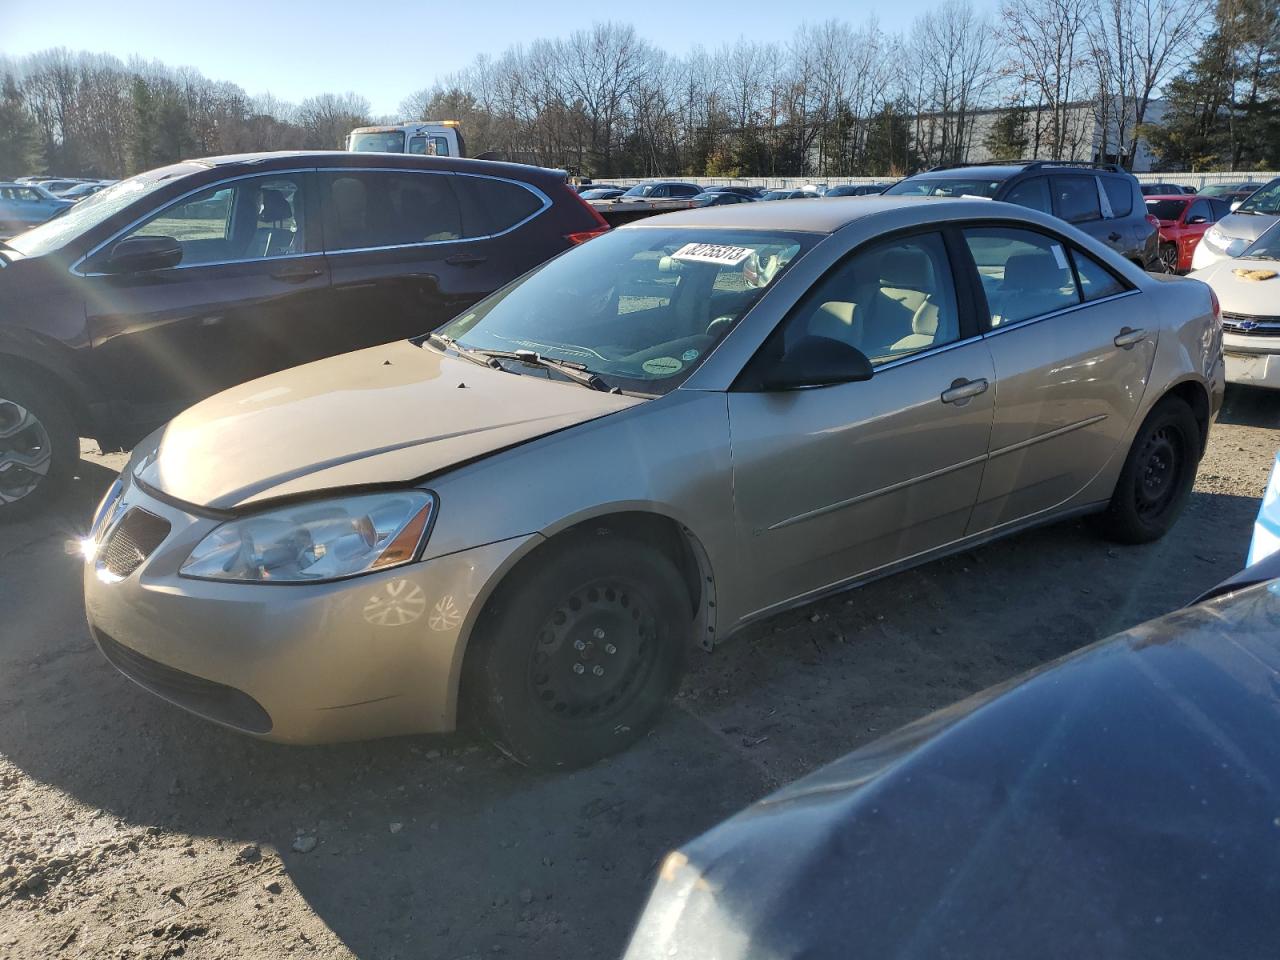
(432, 138)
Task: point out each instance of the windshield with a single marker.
(641, 190)
(1222, 189)
(937, 187)
(1265, 200)
(391, 141)
(640, 307)
(1267, 246)
(1166, 209)
(96, 208)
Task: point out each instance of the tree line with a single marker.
(834, 99)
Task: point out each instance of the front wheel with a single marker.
(1157, 476)
(38, 446)
(1169, 257)
(576, 657)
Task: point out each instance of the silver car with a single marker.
(1249, 219)
(533, 514)
(24, 205)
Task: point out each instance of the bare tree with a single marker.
(1048, 41)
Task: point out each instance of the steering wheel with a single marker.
(719, 325)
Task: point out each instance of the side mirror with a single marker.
(1235, 205)
(1194, 220)
(135, 254)
(817, 362)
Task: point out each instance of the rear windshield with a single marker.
(1166, 209)
(639, 307)
(936, 187)
(1265, 200)
(389, 142)
(95, 208)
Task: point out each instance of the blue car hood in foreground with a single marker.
(1122, 802)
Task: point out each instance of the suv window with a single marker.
(377, 209)
(1076, 199)
(890, 300)
(429, 146)
(1119, 195)
(492, 206)
(1033, 193)
(243, 220)
(684, 190)
(1024, 274)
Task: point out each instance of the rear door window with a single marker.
(1024, 274)
(1075, 199)
(370, 209)
(1033, 193)
(1119, 195)
(490, 205)
(1096, 281)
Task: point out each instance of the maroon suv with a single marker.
(182, 281)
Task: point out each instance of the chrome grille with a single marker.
(1250, 325)
(132, 541)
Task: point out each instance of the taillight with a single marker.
(1217, 307)
(582, 236)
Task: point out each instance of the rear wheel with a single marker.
(1157, 476)
(577, 656)
(39, 446)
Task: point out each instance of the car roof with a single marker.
(276, 159)
(826, 217)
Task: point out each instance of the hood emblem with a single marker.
(1245, 274)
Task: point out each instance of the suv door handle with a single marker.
(1128, 336)
(465, 259)
(297, 274)
(1113, 236)
(962, 390)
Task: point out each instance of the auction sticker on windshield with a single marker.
(662, 366)
(712, 253)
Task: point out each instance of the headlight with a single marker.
(1215, 237)
(317, 540)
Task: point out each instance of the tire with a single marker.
(39, 446)
(545, 678)
(1169, 257)
(1157, 476)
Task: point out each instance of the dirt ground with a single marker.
(130, 829)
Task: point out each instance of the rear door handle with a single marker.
(1128, 336)
(297, 274)
(465, 259)
(1113, 237)
(962, 390)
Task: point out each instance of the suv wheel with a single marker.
(39, 446)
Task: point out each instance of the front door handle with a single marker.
(465, 259)
(1128, 336)
(962, 390)
(297, 275)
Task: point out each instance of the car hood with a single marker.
(1121, 802)
(1250, 291)
(389, 414)
(1245, 226)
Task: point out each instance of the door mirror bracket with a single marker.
(136, 254)
(817, 362)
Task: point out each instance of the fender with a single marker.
(50, 360)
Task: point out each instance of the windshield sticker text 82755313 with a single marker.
(712, 253)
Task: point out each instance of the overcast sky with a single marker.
(385, 49)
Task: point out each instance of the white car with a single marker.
(1248, 287)
(1247, 222)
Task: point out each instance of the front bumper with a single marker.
(1254, 361)
(371, 656)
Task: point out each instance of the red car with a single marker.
(1183, 220)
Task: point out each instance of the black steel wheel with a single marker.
(579, 652)
(1157, 476)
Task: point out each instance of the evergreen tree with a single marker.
(20, 152)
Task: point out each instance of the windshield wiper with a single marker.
(475, 356)
(577, 372)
